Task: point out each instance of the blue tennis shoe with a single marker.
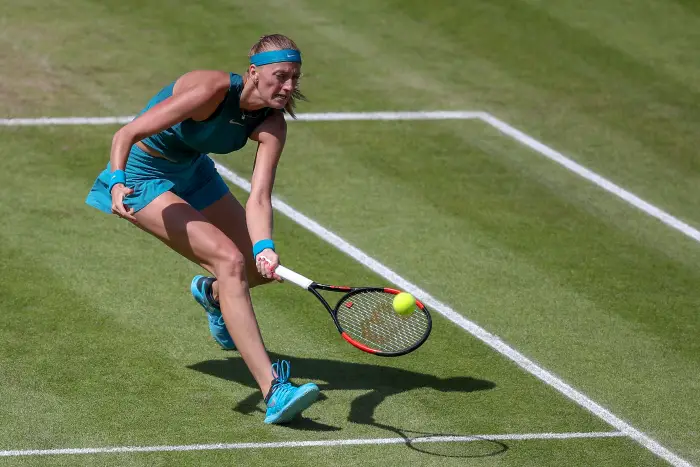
(285, 401)
(201, 291)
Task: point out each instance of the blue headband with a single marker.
(276, 56)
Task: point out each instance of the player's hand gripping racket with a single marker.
(365, 317)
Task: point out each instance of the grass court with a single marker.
(103, 346)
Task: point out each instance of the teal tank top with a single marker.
(226, 130)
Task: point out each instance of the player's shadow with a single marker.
(380, 381)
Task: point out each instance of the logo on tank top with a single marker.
(233, 121)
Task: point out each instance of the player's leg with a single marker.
(188, 232)
(208, 193)
(229, 216)
(217, 204)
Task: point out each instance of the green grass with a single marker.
(94, 349)
(102, 344)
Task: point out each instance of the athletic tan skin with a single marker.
(216, 237)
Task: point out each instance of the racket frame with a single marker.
(314, 287)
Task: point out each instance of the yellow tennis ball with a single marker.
(404, 303)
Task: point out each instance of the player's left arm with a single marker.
(270, 135)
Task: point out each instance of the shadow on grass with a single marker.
(380, 381)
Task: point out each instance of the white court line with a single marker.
(491, 340)
(474, 329)
(315, 443)
(307, 117)
(51, 121)
(485, 117)
(589, 175)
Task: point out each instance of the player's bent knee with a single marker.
(230, 263)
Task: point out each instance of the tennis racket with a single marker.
(365, 316)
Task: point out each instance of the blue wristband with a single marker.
(262, 245)
(118, 176)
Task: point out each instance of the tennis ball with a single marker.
(404, 303)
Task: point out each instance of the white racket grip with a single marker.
(291, 276)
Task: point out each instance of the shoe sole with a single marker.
(195, 291)
(295, 407)
(218, 341)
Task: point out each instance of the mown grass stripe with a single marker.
(493, 341)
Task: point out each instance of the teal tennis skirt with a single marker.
(196, 181)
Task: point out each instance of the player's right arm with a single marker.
(196, 95)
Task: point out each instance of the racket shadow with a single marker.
(380, 381)
(416, 440)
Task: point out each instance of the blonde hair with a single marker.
(279, 42)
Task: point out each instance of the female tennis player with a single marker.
(160, 178)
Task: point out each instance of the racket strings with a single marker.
(369, 318)
(378, 326)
